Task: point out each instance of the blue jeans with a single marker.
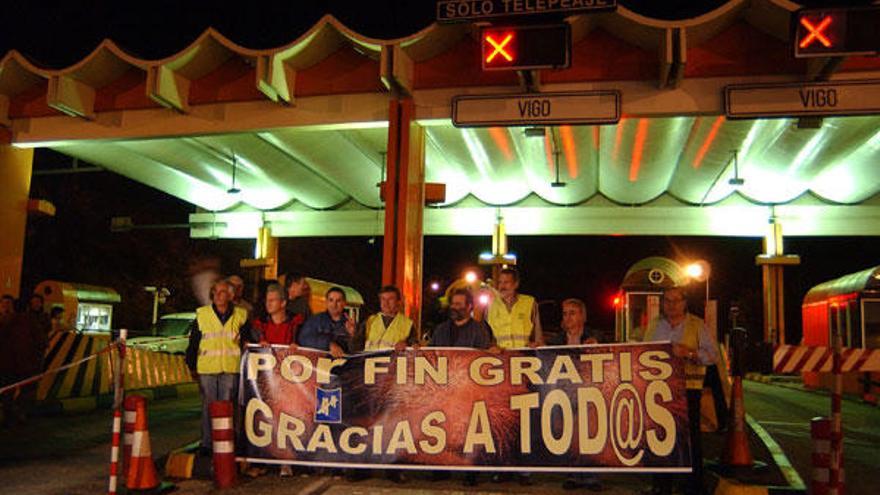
(221, 386)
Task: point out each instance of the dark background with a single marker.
(77, 244)
(58, 34)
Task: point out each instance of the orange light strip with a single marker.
(548, 151)
(571, 158)
(618, 137)
(638, 147)
(704, 148)
(499, 135)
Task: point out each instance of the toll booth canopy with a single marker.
(703, 126)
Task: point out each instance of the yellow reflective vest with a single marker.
(219, 350)
(381, 337)
(694, 373)
(514, 327)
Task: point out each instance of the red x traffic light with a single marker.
(525, 47)
(836, 32)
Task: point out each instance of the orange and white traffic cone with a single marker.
(223, 440)
(141, 469)
(736, 452)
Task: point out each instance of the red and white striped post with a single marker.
(820, 432)
(223, 443)
(114, 453)
(835, 469)
(118, 392)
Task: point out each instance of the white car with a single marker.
(170, 334)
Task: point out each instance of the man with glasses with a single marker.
(693, 342)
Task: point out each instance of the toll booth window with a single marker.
(90, 316)
(871, 318)
(854, 325)
(836, 324)
(641, 308)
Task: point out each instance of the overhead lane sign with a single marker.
(835, 98)
(526, 47)
(464, 10)
(586, 107)
(836, 31)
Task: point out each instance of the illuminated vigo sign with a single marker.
(584, 107)
(838, 31)
(833, 98)
(463, 10)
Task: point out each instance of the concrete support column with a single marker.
(15, 175)
(772, 263)
(404, 205)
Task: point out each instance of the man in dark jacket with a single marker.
(331, 330)
(576, 332)
(574, 325)
(461, 330)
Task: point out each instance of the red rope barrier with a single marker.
(37, 378)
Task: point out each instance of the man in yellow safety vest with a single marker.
(214, 351)
(696, 345)
(513, 317)
(388, 329)
(514, 320)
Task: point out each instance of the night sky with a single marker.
(77, 244)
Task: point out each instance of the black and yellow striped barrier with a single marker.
(89, 384)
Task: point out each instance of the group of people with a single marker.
(511, 320)
(25, 334)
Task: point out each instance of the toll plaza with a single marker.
(751, 120)
(621, 125)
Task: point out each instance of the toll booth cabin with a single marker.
(849, 305)
(640, 292)
(88, 308)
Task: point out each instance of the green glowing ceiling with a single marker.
(686, 159)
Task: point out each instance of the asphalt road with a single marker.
(70, 455)
(786, 412)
